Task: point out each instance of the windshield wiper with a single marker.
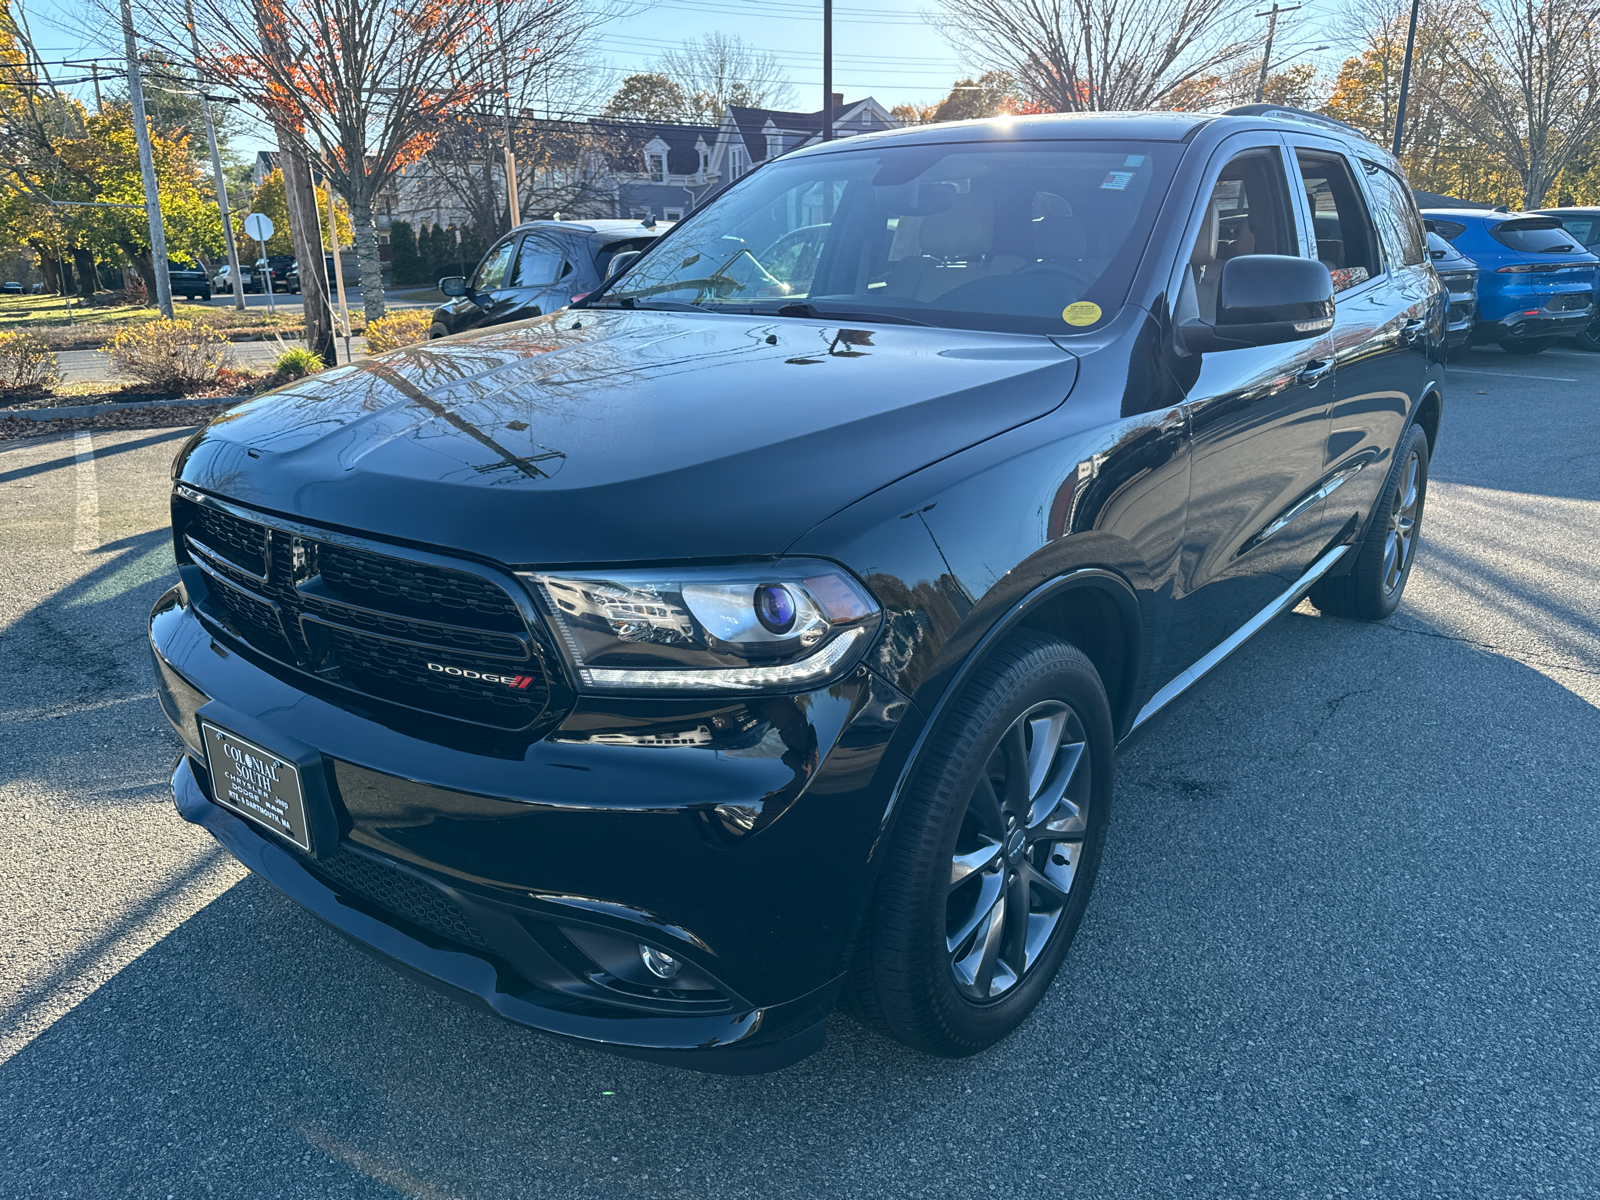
(810, 311)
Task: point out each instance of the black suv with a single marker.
(538, 267)
(279, 266)
(188, 279)
(759, 633)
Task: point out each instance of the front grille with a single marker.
(417, 634)
(399, 892)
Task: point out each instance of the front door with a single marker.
(488, 291)
(1258, 417)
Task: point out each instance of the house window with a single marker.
(657, 164)
(738, 161)
(705, 160)
(672, 214)
(641, 214)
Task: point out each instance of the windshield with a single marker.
(1037, 237)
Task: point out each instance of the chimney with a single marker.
(838, 101)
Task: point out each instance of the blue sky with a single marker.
(882, 48)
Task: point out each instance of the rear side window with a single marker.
(1399, 224)
(1448, 230)
(1534, 235)
(1346, 242)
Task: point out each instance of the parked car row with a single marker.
(1521, 280)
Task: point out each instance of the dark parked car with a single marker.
(1584, 225)
(291, 279)
(537, 268)
(188, 279)
(1536, 282)
(13, 287)
(278, 265)
(752, 636)
(1459, 274)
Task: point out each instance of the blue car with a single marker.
(1535, 283)
(1583, 224)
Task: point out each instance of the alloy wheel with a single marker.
(1402, 534)
(1018, 851)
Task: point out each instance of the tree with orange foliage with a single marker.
(362, 89)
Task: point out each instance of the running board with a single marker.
(1238, 638)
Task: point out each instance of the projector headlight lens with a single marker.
(786, 626)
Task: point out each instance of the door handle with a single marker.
(1315, 371)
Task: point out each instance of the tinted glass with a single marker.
(1585, 229)
(1399, 224)
(1539, 235)
(1448, 230)
(988, 237)
(492, 271)
(538, 263)
(602, 258)
(1248, 213)
(1344, 233)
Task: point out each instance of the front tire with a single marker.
(990, 866)
(1372, 588)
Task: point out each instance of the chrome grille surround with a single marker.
(366, 617)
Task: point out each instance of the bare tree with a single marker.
(1106, 55)
(1529, 76)
(719, 70)
(363, 90)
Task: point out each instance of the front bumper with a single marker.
(747, 851)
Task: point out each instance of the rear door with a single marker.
(1370, 237)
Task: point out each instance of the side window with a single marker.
(1585, 229)
(1247, 213)
(1345, 238)
(492, 271)
(538, 265)
(1399, 223)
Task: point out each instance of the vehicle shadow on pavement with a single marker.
(1343, 940)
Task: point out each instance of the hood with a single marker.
(608, 436)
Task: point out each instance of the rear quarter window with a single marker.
(1448, 230)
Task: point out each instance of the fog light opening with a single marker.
(659, 963)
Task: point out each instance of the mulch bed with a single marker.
(154, 417)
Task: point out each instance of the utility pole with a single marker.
(827, 70)
(1405, 80)
(512, 205)
(99, 108)
(147, 167)
(1266, 55)
(216, 165)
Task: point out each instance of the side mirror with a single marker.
(1262, 300)
(620, 261)
(453, 285)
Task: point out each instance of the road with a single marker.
(1344, 945)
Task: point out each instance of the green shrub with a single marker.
(398, 329)
(26, 362)
(176, 356)
(296, 362)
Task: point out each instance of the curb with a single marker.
(95, 410)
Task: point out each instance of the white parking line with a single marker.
(1509, 375)
(86, 536)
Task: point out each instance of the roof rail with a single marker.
(1295, 114)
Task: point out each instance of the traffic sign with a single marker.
(259, 226)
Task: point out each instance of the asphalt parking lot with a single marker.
(1346, 942)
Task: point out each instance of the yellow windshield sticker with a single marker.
(1084, 312)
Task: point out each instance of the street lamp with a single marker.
(1405, 80)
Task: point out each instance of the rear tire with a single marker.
(988, 871)
(1372, 588)
(1589, 339)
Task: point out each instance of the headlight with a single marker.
(792, 624)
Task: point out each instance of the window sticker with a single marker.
(1081, 312)
(1116, 181)
(1133, 160)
